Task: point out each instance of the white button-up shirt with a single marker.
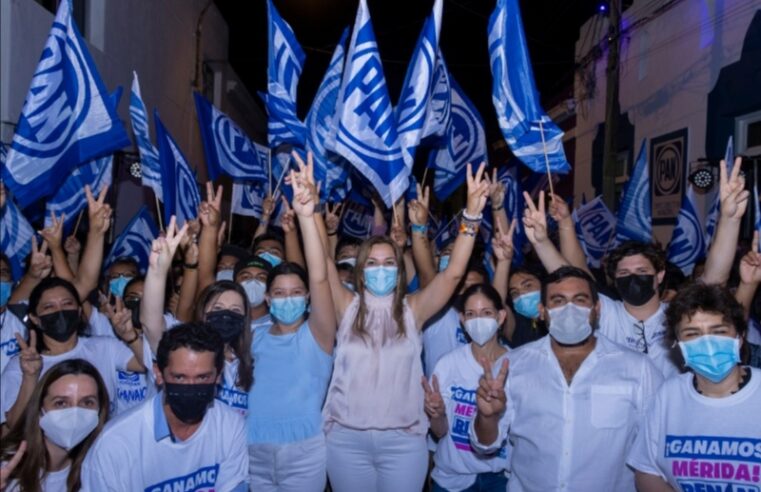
(573, 437)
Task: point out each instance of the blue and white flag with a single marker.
(356, 220)
(635, 213)
(366, 131)
(181, 196)
(417, 104)
(596, 229)
(15, 237)
(228, 149)
(286, 61)
(135, 240)
(465, 143)
(71, 198)
(330, 169)
(67, 118)
(526, 127)
(3, 154)
(150, 168)
(514, 206)
(713, 214)
(447, 231)
(687, 245)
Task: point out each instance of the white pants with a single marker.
(292, 467)
(376, 461)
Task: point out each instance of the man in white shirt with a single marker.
(574, 398)
(179, 439)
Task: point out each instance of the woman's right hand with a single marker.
(29, 360)
(7, 469)
(164, 247)
(491, 399)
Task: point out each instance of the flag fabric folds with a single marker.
(286, 61)
(15, 237)
(756, 210)
(465, 143)
(596, 229)
(67, 118)
(150, 169)
(687, 244)
(522, 120)
(635, 213)
(330, 169)
(181, 196)
(514, 206)
(366, 128)
(228, 149)
(135, 240)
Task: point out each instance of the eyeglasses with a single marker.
(641, 343)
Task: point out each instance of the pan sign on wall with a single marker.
(668, 161)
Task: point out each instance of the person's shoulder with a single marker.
(224, 418)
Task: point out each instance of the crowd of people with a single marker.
(310, 360)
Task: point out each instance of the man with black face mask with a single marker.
(180, 435)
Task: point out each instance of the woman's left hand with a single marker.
(478, 190)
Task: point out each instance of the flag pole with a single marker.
(425, 175)
(280, 180)
(158, 213)
(269, 176)
(546, 158)
(79, 219)
(230, 223)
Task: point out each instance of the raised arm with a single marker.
(430, 299)
(293, 251)
(154, 288)
(734, 201)
(268, 207)
(209, 215)
(99, 215)
(331, 224)
(535, 225)
(497, 200)
(570, 248)
(750, 276)
(121, 321)
(189, 287)
(322, 319)
(40, 266)
(421, 246)
(53, 235)
(502, 246)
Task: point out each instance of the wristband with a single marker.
(497, 209)
(420, 229)
(137, 335)
(190, 266)
(469, 228)
(470, 218)
(334, 233)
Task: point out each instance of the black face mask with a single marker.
(61, 325)
(189, 401)
(134, 306)
(636, 289)
(228, 324)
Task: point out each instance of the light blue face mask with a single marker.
(116, 285)
(287, 310)
(528, 304)
(711, 356)
(5, 292)
(225, 274)
(380, 280)
(443, 263)
(270, 258)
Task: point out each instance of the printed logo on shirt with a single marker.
(708, 463)
(464, 411)
(10, 347)
(130, 387)
(460, 334)
(233, 398)
(201, 480)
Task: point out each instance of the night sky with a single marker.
(551, 28)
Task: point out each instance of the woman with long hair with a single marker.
(374, 418)
(66, 412)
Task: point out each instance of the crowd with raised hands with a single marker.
(310, 361)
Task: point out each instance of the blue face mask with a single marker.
(711, 356)
(528, 304)
(380, 281)
(443, 263)
(5, 292)
(117, 285)
(270, 258)
(287, 310)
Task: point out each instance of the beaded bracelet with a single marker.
(471, 218)
(469, 228)
(420, 229)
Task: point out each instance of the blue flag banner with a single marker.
(15, 237)
(356, 220)
(756, 210)
(150, 169)
(514, 206)
(417, 98)
(447, 231)
(67, 118)
(635, 213)
(330, 169)
(596, 229)
(366, 130)
(247, 200)
(181, 196)
(687, 245)
(3, 154)
(713, 213)
(71, 198)
(524, 124)
(466, 142)
(135, 240)
(286, 61)
(228, 149)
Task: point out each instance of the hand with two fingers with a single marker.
(433, 402)
(491, 399)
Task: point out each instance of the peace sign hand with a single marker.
(98, 211)
(53, 234)
(29, 360)
(478, 190)
(434, 403)
(496, 190)
(40, 264)
(535, 219)
(750, 265)
(164, 247)
(733, 195)
(559, 210)
(209, 210)
(7, 469)
(121, 320)
(333, 217)
(502, 244)
(418, 208)
(490, 396)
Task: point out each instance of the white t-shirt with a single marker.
(441, 337)
(573, 437)
(228, 392)
(107, 355)
(9, 326)
(754, 332)
(137, 452)
(456, 462)
(699, 443)
(646, 336)
(100, 325)
(53, 482)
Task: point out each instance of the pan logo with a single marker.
(231, 143)
(668, 169)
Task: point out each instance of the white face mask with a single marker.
(69, 426)
(226, 274)
(254, 291)
(481, 330)
(570, 324)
